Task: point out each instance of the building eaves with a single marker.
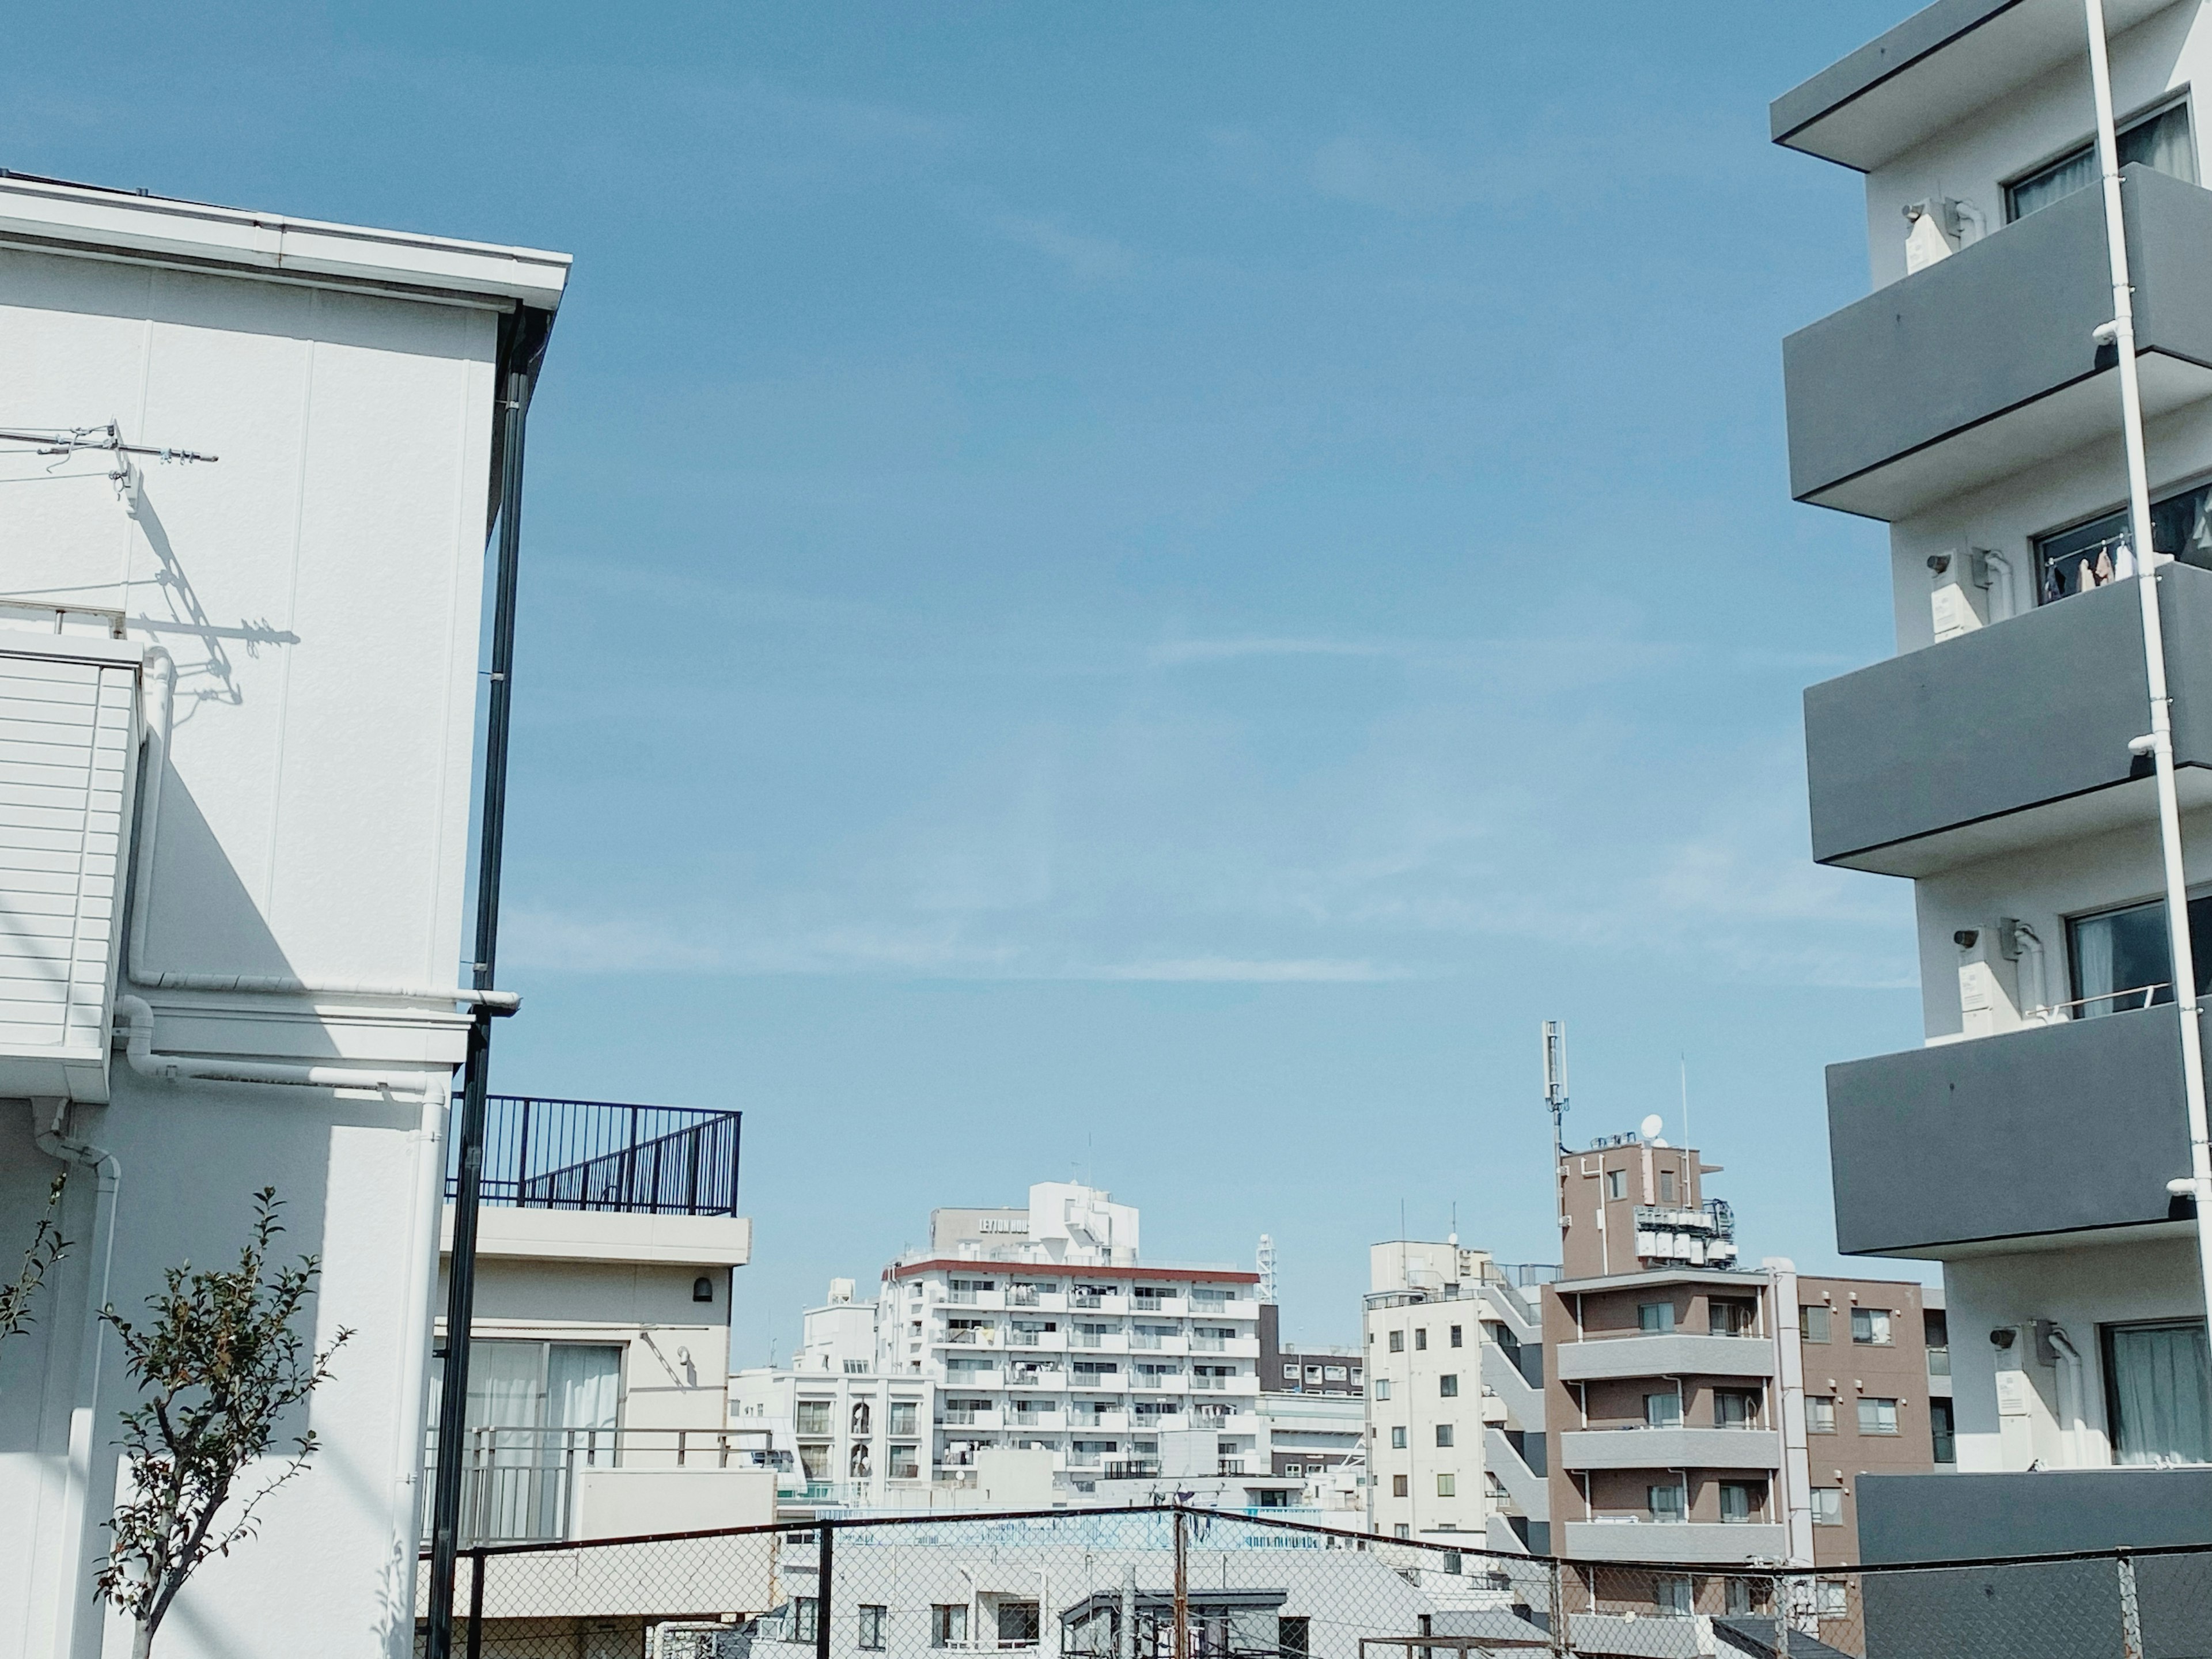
(89, 221)
(1943, 63)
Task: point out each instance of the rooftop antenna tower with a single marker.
(1555, 1081)
(1555, 1102)
(1266, 1265)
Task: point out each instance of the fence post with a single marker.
(1559, 1630)
(824, 1554)
(474, 1645)
(2131, 1642)
(1782, 1611)
(1181, 1584)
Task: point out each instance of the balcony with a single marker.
(1982, 364)
(1716, 1542)
(1670, 1448)
(527, 1485)
(2009, 736)
(2064, 1128)
(1675, 1353)
(547, 1154)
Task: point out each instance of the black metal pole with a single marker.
(825, 1553)
(519, 362)
(476, 1603)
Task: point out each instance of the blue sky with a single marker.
(1137, 589)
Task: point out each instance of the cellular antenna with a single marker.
(1555, 1081)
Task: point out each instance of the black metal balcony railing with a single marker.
(602, 1155)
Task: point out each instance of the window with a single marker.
(906, 1463)
(1397, 1342)
(1294, 1636)
(1827, 1506)
(1616, 1183)
(805, 1612)
(2155, 1379)
(1667, 1503)
(902, 1416)
(1447, 1486)
(2160, 141)
(1448, 1386)
(1740, 1595)
(1877, 1416)
(1654, 1316)
(1740, 1501)
(1398, 1438)
(1455, 1336)
(1289, 1373)
(2067, 561)
(1819, 1413)
(1443, 1434)
(1334, 1373)
(813, 1417)
(861, 1418)
(872, 1617)
(1665, 1186)
(1670, 1595)
(1398, 1485)
(948, 1624)
(1662, 1411)
(1382, 1388)
(1726, 1318)
(1813, 1322)
(1420, 1341)
(1017, 1624)
(2119, 959)
(1737, 1408)
(1870, 1324)
(1401, 1530)
(1296, 1469)
(1941, 1433)
(1835, 1598)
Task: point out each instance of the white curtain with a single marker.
(506, 1405)
(2093, 962)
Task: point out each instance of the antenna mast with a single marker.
(1266, 1265)
(1555, 1081)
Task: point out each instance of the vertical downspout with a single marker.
(524, 344)
(2159, 740)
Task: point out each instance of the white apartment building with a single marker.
(1971, 404)
(237, 698)
(1443, 1330)
(1044, 1331)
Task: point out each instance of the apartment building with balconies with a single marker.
(1703, 1413)
(1044, 1331)
(1971, 404)
(607, 1247)
(1454, 1396)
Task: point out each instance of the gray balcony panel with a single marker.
(1984, 363)
(1684, 1448)
(1975, 1517)
(1675, 1353)
(1903, 86)
(1675, 1541)
(2056, 1129)
(2013, 733)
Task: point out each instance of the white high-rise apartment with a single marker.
(1044, 1331)
(1971, 405)
(1452, 1418)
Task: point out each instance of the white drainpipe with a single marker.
(68, 1590)
(2069, 1392)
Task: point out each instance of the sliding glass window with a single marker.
(2154, 1385)
(2161, 141)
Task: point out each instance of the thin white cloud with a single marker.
(1087, 258)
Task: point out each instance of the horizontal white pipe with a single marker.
(160, 683)
(137, 1015)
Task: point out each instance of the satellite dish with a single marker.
(1652, 1126)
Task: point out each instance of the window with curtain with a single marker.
(531, 1409)
(2119, 961)
(2154, 1382)
(2074, 561)
(2161, 141)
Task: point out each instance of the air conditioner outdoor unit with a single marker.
(70, 730)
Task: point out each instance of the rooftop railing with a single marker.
(546, 1154)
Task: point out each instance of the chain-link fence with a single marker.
(1174, 1582)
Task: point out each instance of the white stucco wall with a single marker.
(318, 588)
